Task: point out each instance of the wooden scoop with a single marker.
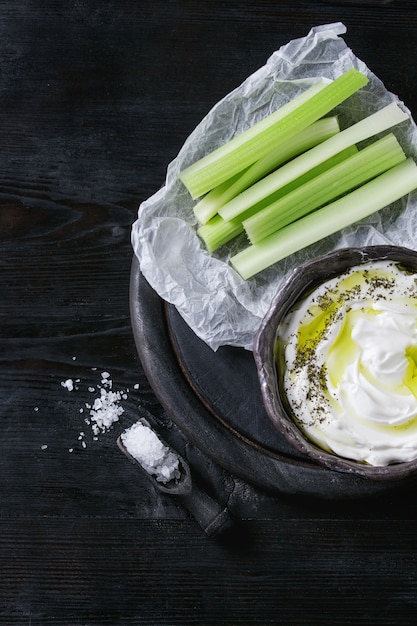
(212, 518)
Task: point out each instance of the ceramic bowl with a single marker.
(302, 281)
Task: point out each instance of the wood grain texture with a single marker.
(96, 98)
(260, 576)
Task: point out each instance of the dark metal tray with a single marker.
(215, 401)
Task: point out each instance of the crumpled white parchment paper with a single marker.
(216, 303)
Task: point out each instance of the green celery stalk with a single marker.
(331, 184)
(252, 144)
(314, 134)
(375, 123)
(353, 207)
(209, 204)
(216, 232)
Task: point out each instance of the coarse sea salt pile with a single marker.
(106, 408)
(157, 459)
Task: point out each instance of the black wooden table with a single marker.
(96, 98)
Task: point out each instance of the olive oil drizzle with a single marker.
(333, 307)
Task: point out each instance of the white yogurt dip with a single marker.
(349, 352)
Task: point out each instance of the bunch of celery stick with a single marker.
(295, 177)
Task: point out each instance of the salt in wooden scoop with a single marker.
(170, 474)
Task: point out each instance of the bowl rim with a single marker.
(298, 283)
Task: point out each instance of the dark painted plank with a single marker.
(165, 573)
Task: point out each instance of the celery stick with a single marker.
(216, 232)
(333, 183)
(253, 143)
(235, 143)
(316, 133)
(209, 204)
(358, 204)
(375, 123)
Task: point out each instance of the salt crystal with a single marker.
(155, 458)
(68, 384)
